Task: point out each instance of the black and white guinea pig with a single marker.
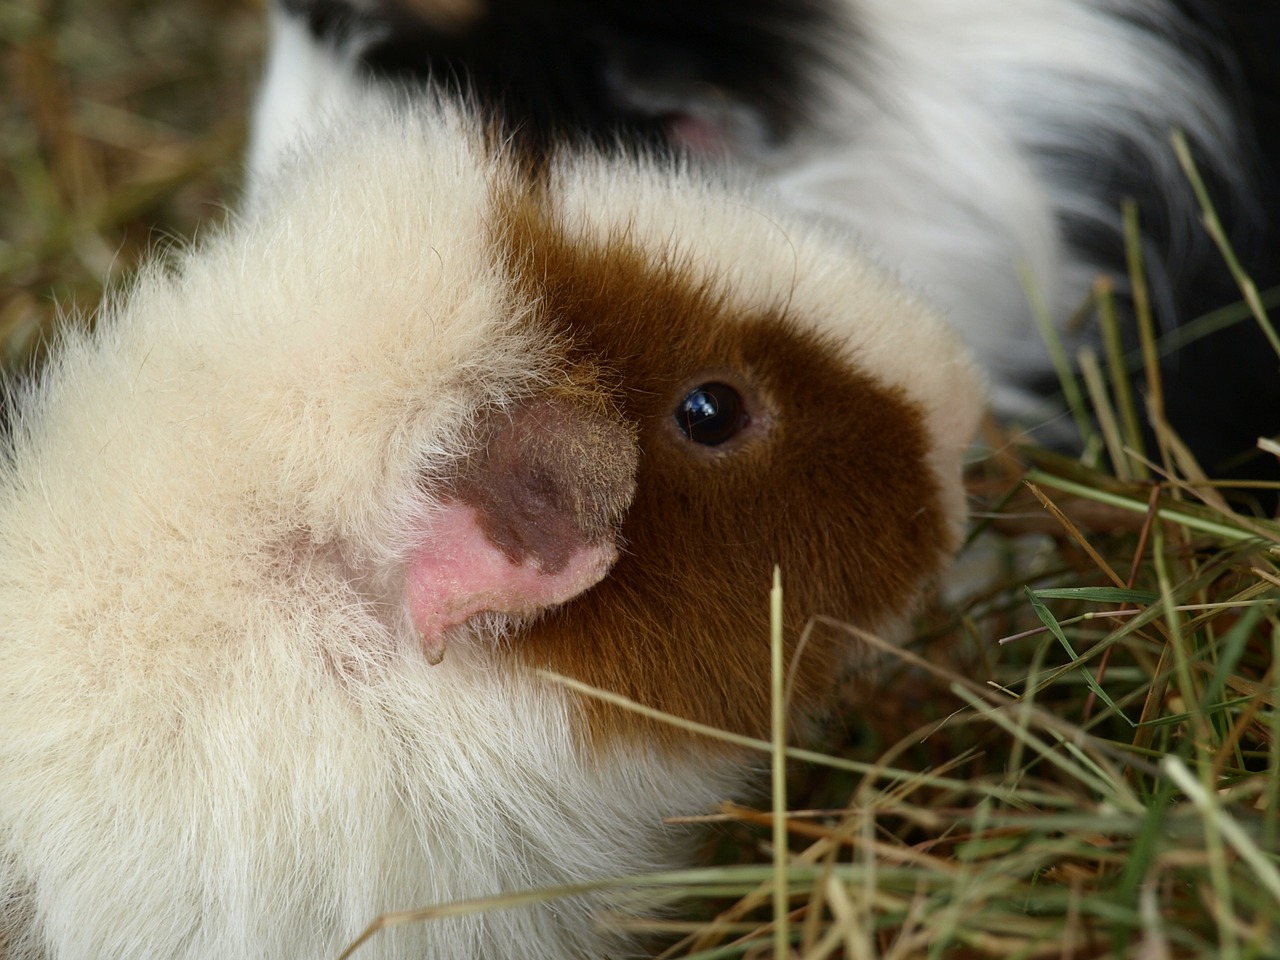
(287, 539)
(961, 139)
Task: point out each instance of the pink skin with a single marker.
(457, 573)
(699, 135)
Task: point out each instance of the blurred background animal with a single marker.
(978, 147)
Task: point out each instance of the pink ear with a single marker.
(458, 572)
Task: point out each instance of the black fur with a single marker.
(1224, 390)
(566, 68)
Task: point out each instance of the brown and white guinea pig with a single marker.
(970, 143)
(288, 538)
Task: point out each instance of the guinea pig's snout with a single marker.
(554, 474)
(532, 519)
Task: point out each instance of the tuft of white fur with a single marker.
(218, 735)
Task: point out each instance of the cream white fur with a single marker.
(218, 736)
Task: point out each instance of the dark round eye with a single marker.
(712, 414)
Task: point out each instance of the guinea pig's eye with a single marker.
(711, 414)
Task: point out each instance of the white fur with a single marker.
(932, 138)
(303, 84)
(942, 163)
(218, 736)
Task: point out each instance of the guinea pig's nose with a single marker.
(533, 518)
(554, 475)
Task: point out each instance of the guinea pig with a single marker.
(291, 538)
(975, 145)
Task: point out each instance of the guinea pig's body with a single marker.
(286, 541)
(977, 146)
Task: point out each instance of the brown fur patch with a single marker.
(831, 484)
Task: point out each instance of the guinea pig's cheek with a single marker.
(457, 572)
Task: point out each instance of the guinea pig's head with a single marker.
(791, 407)
(714, 392)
